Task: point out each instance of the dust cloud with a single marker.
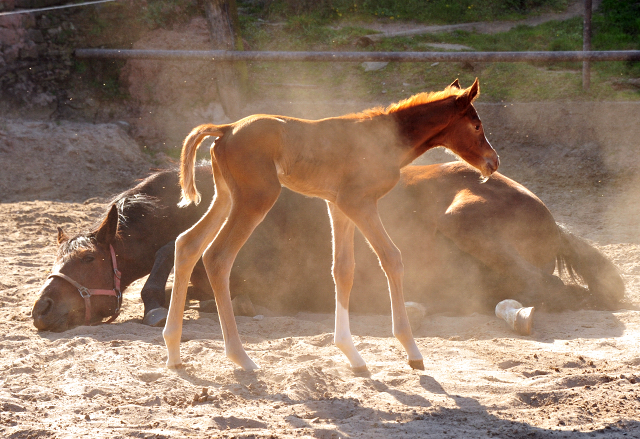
(562, 152)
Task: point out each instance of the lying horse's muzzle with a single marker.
(86, 293)
(41, 312)
(48, 313)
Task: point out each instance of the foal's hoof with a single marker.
(524, 321)
(361, 371)
(178, 366)
(416, 364)
(156, 317)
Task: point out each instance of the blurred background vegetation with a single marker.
(425, 11)
(339, 25)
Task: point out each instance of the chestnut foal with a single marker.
(351, 162)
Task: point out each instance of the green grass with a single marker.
(499, 81)
(618, 24)
(425, 11)
(165, 13)
(550, 36)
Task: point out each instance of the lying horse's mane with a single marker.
(72, 245)
(413, 101)
(132, 206)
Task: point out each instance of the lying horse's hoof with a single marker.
(524, 321)
(519, 318)
(242, 306)
(416, 364)
(156, 317)
(207, 306)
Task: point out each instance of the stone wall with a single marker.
(7, 5)
(35, 52)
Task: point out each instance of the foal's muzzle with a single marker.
(493, 164)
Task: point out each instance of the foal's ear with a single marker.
(62, 237)
(455, 84)
(107, 231)
(468, 96)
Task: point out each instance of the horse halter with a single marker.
(86, 293)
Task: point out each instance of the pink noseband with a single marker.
(86, 293)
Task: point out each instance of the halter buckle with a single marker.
(84, 292)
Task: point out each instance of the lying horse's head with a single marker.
(83, 287)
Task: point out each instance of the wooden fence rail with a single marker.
(231, 55)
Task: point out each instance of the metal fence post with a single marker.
(586, 45)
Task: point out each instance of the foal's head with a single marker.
(447, 118)
(465, 134)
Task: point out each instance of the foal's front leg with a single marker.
(343, 270)
(364, 213)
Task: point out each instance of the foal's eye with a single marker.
(87, 259)
(477, 127)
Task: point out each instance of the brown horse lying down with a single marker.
(466, 246)
(141, 225)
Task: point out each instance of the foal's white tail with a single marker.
(188, 160)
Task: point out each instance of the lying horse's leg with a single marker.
(519, 318)
(256, 189)
(532, 284)
(200, 282)
(189, 246)
(364, 213)
(242, 304)
(343, 272)
(152, 294)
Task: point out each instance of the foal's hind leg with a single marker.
(343, 271)
(189, 248)
(253, 197)
(364, 213)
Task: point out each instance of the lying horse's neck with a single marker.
(126, 227)
(126, 264)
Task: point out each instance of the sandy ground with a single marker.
(575, 376)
